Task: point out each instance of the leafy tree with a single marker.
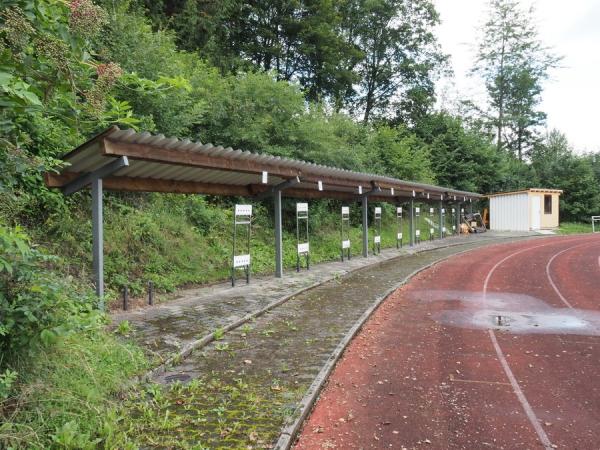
(513, 63)
(461, 157)
(400, 56)
(557, 166)
(399, 153)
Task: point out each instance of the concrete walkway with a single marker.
(167, 328)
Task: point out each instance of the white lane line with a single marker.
(549, 275)
(519, 393)
(535, 423)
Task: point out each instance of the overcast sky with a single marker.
(572, 97)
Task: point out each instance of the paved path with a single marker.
(191, 314)
(491, 349)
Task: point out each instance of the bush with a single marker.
(35, 305)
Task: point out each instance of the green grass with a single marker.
(67, 397)
(178, 240)
(574, 228)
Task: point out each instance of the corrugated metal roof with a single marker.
(232, 167)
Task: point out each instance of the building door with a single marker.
(536, 212)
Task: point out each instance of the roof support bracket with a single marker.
(277, 188)
(102, 172)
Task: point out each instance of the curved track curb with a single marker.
(289, 432)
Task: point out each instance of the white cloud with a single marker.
(572, 95)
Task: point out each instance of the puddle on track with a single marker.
(521, 314)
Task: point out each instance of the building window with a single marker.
(547, 204)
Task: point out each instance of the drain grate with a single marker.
(177, 377)
(502, 321)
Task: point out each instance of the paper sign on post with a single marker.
(392, 191)
(399, 236)
(346, 244)
(320, 184)
(303, 248)
(243, 210)
(265, 177)
(378, 210)
(345, 210)
(377, 239)
(241, 260)
(301, 207)
(418, 233)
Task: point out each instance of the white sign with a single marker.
(399, 210)
(345, 210)
(265, 177)
(241, 261)
(418, 233)
(346, 244)
(320, 183)
(462, 210)
(303, 248)
(443, 210)
(453, 227)
(360, 189)
(301, 207)
(455, 197)
(430, 210)
(243, 210)
(399, 236)
(444, 229)
(414, 194)
(431, 231)
(377, 239)
(453, 211)
(378, 210)
(428, 195)
(441, 196)
(417, 210)
(392, 191)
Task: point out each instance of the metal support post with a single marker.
(442, 224)
(411, 222)
(98, 240)
(278, 235)
(365, 225)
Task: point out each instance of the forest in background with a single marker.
(349, 83)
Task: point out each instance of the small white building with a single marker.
(529, 209)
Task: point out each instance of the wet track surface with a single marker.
(497, 348)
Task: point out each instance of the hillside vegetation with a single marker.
(349, 84)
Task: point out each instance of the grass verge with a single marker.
(67, 394)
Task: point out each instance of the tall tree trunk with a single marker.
(501, 95)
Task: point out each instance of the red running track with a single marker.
(495, 348)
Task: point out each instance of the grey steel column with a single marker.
(441, 226)
(278, 235)
(98, 240)
(411, 222)
(365, 224)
